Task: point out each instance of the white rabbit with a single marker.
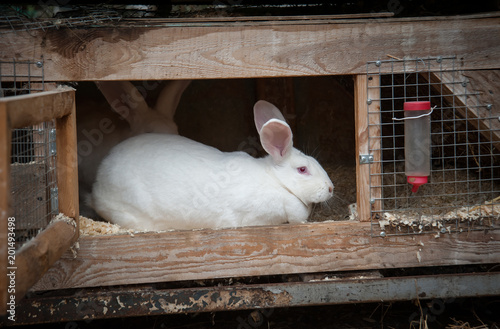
(161, 182)
(101, 128)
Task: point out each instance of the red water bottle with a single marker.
(417, 143)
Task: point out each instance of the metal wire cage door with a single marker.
(463, 187)
(33, 189)
(33, 179)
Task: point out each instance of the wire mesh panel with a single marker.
(33, 179)
(30, 18)
(463, 189)
(33, 197)
(13, 83)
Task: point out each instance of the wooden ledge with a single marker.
(32, 109)
(254, 251)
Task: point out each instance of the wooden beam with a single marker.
(253, 251)
(211, 51)
(39, 254)
(31, 109)
(4, 202)
(361, 127)
(67, 164)
(275, 20)
(375, 143)
(367, 120)
(459, 89)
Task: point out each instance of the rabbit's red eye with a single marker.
(303, 170)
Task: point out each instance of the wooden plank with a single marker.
(67, 164)
(361, 126)
(37, 256)
(304, 19)
(367, 119)
(203, 51)
(31, 109)
(252, 251)
(4, 202)
(473, 107)
(375, 144)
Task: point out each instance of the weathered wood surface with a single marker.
(471, 92)
(204, 50)
(253, 251)
(368, 143)
(31, 109)
(67, 165)
(37, 256)
(255, 20)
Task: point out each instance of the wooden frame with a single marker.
(367, 114)
(38, 255)
(194, 50)
(244, 49)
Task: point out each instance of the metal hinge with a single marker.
(54, 200)
(365, 158)
(52, 142)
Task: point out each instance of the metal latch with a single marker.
(365, 158)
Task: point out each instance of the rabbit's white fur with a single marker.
(160, 182)
(128, 116)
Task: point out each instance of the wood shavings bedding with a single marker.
(454, 198)
(91, 227)
(63, 218)
(489, 210)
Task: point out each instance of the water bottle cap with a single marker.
(417, 106)
(416, 181)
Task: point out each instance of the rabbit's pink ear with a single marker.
(276, 139)
(124, 98)
(263, 112)
(275, 133)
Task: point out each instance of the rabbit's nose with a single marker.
(330, 189)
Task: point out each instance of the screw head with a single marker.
(439, 59)
(39, 64)
(382, 234)
(443, 230)
(368, 101)
(489, 106)
(464, 83)
(378, 63)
